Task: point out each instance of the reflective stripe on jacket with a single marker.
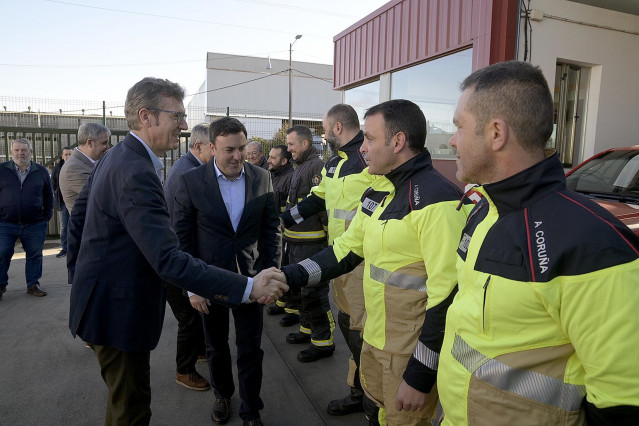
(406, 229)
(546, 309)
(307, 173)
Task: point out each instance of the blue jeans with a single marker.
(32, 237)
(63, 216)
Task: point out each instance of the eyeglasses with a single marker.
(179, 116)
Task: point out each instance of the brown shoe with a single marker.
(35, 290)
(192, 381)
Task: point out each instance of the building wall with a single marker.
(312, 85)
(612, 105)
(406, 32)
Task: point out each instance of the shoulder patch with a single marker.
(316, 180)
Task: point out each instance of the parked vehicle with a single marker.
(611, 179)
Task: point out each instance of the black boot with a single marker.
(352, 403)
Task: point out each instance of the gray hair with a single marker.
(91, 131)
(199, 133)
(260, 148)
(147, 93)
(23, 141)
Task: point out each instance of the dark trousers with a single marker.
(128, 379)
(354, 342)
(248, 319)
(190, 335)
(63, 217)
(32, 236)
(314, 306)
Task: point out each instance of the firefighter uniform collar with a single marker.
(526, 187)
(408, 169)
(354, 144)
(306, 154)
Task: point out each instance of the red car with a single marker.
(611, 179)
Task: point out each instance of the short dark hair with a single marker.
(302, 132)
(67, 147)
(147, 93)
(516, 92)
(225, 126)
(344, 114)
(284, 152)
(403, 116)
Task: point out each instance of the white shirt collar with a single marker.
(157, 163)
(80, 151)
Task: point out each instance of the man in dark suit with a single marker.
(225, 214)
(190, 335)
(58, 202)
(121, 248)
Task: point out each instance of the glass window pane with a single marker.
(434, 86)
(362, 97)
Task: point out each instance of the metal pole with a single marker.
(290, 81)
(290, 85)
(104, 113)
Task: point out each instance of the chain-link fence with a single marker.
(52, 124)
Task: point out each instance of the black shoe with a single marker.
(61, 254)
(289, 320)
(2, 290)
(297, 338)
(275, 310)
(352, 403)
(256, 422)
(312, 354)
(221, 410)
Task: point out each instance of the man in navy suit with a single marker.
(190, 335)
(121, 249)
(225, 214)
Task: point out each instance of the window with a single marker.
(362, 97)
(434, 86)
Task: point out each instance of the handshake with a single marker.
(268, 286)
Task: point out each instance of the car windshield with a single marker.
(615, 172)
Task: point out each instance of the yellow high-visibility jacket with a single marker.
(345, 177)
(406, 230)
(546, 312)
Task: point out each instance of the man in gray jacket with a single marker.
(93, 142)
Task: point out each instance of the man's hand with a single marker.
(200, 303)
(268, 286)
(409, 398)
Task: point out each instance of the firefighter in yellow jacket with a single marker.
(406, 230)
(344, 179)
(544, 328)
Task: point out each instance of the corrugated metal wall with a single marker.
(405, 32)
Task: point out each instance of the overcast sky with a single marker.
(96, 49)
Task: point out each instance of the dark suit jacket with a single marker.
(120, 234)
(203, 225)
(181, 166)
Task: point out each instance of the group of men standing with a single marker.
(28, 196)
(440, 299)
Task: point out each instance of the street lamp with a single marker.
(290, 81)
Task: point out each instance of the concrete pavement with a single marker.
(49, 378)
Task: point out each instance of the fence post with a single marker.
(228, 111)
(104, 113)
